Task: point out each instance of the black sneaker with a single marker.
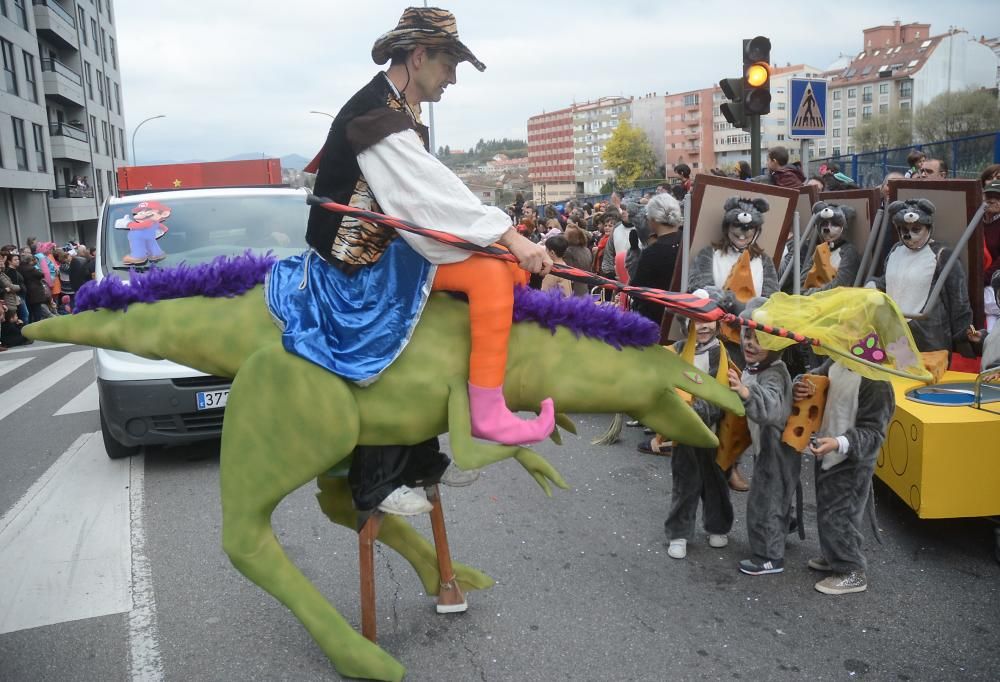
(753, 567)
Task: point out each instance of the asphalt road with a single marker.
(585, 590)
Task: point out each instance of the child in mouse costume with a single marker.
(835, 261)
(855, 423)
(766, 391)
(911, 270)
(696, 476)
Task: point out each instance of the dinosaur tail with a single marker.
(212, 335)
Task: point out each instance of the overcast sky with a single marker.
(241, 76)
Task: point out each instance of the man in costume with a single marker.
(352, 302)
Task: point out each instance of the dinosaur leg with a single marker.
(489, 284)
(287, 421)
(335, 500)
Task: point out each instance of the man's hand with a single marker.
(824, 446)
(530, 256)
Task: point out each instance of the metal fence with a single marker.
(966, 158)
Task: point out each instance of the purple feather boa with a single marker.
(227, 277)
(222, 277)
(581, 315)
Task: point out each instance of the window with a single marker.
(904, 106)
(852, 112)
(906, 88)
(114, 52)
(836, 95)
(883, 108)
(40, 164)
(883, 88)
(104, 45)
(114, 144)
(29, 76)
(836, 132)
(20, 146)
(22, 15)
(781, 106)
(118, 99)
(100, 186)
(3, 8)
(866, 112)
(9, 74)
(90, 80)
(821, 152)
(852, 93)
(100, 87)
(866, 94)
(836, 114)
(111, 183)
(836, 151)
(850, 131)
(93, 134)
(83, 23)
(93, 35)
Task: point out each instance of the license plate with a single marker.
(211, 400)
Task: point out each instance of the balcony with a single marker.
(69, 142)
(62, 83)
(55, 23)
(69, 204)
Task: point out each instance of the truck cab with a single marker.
(157, 402)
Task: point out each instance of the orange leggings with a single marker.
(489, 284)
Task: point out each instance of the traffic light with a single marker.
(732, 88)
(757, 76)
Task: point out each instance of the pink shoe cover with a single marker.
(491, 420)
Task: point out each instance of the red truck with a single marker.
(249, 173)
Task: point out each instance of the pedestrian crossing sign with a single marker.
(808, 107)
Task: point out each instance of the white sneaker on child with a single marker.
(403, 501)
(718, 541)
(678, 549)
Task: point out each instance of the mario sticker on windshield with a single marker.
(146, 226)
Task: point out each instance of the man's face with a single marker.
(992, 203)
(527, 212)
(931, 169)
(432, 74)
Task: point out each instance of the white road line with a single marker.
(29, 389)
(11, 365)
(64, 547)
(144, 648)
(86, 401)
(38, 345)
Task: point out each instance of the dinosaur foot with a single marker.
(491, 420)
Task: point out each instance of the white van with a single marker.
(149, 402)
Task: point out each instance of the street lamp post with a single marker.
(136, 129)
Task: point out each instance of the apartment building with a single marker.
(688, 116)
(593, 124)
(550, 155)
(62, 125)
(901, 68)
(649, 114)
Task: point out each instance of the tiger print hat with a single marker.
(430, 27)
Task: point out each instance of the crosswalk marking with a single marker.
(37, 346)
(85, 401)
(11, 365)
(29, 389)
(65, 546)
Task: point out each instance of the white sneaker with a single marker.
(678, 549)
(718, 541)
(403, 501)
(454, 477)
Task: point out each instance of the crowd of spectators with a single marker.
(37, 281)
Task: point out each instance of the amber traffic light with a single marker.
(757, 76)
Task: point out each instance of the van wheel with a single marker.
(115, 449)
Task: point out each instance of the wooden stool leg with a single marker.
(366, 568)
(450, 597)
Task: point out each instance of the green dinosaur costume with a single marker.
(289, 421)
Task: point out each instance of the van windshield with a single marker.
(194, 230)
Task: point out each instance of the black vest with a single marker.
(372, 114)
